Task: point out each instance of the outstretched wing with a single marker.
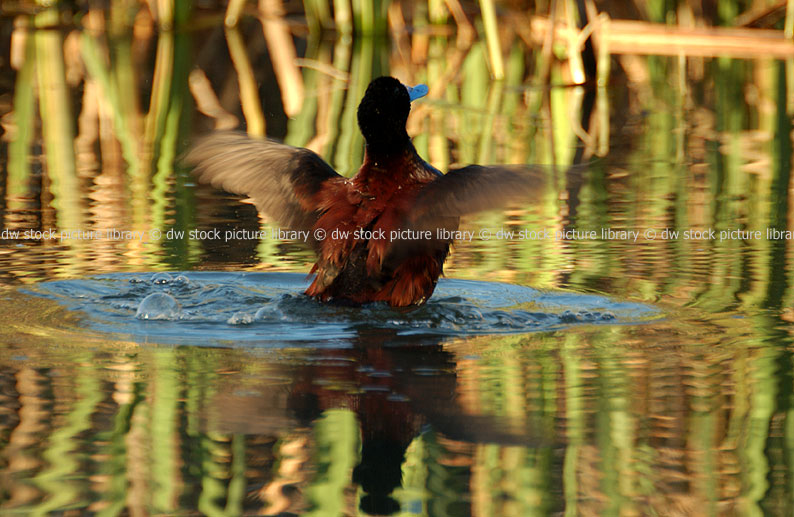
(283, 181)
(475, 188)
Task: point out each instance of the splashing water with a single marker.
(218, 308)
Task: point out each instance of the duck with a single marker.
(382, 235)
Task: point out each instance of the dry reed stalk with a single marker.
(636, 37)
(546, 49)
(87, 161)
(466, 32)
(233, 11)
(282, 54)
(323, 68)
(19, 38)
(207, 102)
(249, 93)
(420, 38)
(325, 86)
(492, 39)
(760, 15)
(399, 31)
(165, 14)
(463, 42)
(56, 120)
(575, 39)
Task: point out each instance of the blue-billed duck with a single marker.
(382, 235)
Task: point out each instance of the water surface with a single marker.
(621, 373)
(269, 309)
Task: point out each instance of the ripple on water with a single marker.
(217, 308)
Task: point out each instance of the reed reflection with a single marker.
(396, 388)
(693, 124)
(591, 418)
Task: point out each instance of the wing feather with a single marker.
(283, 181)
(476, 188)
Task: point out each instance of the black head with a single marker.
(383, 113)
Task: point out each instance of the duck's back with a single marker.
(370, 252)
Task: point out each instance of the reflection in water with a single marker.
(683, 415)
(603, 419)
(397, 394)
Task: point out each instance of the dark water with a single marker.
(633, 356)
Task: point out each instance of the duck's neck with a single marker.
(388, 146)
(390, 156)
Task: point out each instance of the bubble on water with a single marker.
(158, 306)
(568, 316)
(162, 278)
(263, 313)
(181, 280)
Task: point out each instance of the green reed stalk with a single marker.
(343, 52)
(318, 15)
(176, 124)
(485, 153)
(97, 70)
(789, 23)
(124, 84)
(563, 103)
(350, 151)
(56, 120)
(474, 95)
(778, 202)
(369, 17)
(439, 49)
(343, 16)
(17, 182)
(512, 109)
(301, 128)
